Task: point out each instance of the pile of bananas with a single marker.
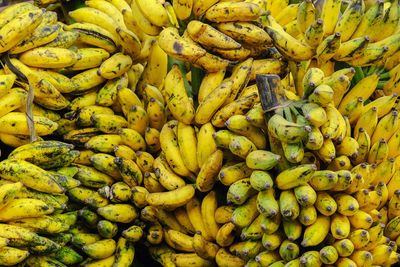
(139, 126)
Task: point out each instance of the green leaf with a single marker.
(197, 77)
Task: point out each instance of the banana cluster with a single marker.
(359, 33)
(164, 145)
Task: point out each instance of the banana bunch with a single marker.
(232, 32)
(333, 31)
(163, 144)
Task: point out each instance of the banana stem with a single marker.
(385, 76)
(380, 84)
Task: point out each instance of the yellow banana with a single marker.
(115, 66)
(178, 101)
(183, 8)
(96, 17)
(18, 28)
(350, 19)
(42, 35)
(289, 46)
(49, 57)
(233, 11)
(168, 200)
(315, 233)
(24, 208)
(95, 35)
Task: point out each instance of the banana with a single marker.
(49, 57)
(95, 35)
(36, 178)
(305, 15)
(183, 8)
(133, 233)
(239, 125)
(367, 122)
(154, 12)
(362, 257)
(295, 176)
(108, 123)
(167, 178)
(86, 80)
(288, 14)
(209, 83)
(42, 35)
(286, 131)
(100, 249)
(241, 146)
(178, 101)
(129, 42)
(183, 259)
(344, 247)
(188, 146)
(383, 104)
(350, 19)
(287, 45)
(233, 11)
(13, 11)
(314, 33)
(102, 143)
(371, 55)
(92, 178)
(245, 33)
(123, 213)
(129, 171)
(105, 163)
(305, 195)
(109, 9)
(12, 256)
(162, 254)
(352, 49)
(347, 205)
(288, 205)
(208, 207)
(386, 127)
(8, 192)
(13, 100)
(314, 113)
(183, 218)
(137, 119)
(203, 248)
(193, 210)
(18, 28)
(6, 82)
(329, 13)
(328, 48)
(243, 215)
(208, 171)
(261, 180)
(167, 201)
(115, 66)
(138, 21)
(378, 152)
(96, 17)
(225, 259)
(316, 233)
(328, 255)
(178, 47)
(64, 39)
(171, 149)
(230, 174)
(155, 235)
(200, 33)
(107, 95)
(340, 226)
(24, 208)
